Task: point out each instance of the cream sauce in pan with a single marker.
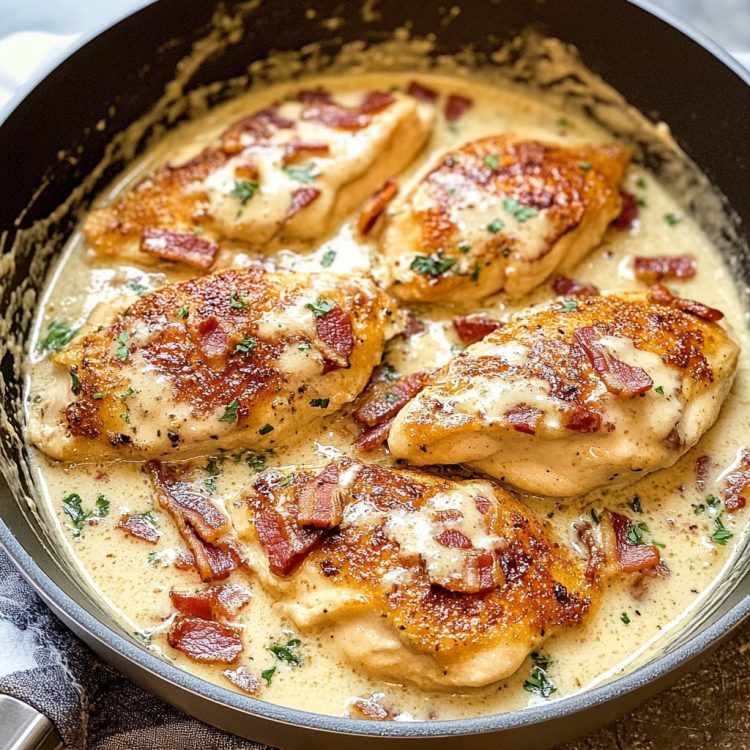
(134, 578)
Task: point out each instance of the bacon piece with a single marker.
(205, 641)
(370, 710)
(619, 377)
(183, 247)
(299, 150)
(454, 539)
(581, 419)
(320, 500)
(701, 469)
(565, 286)
(455, 106)
(523, 418)
(473, 328)
(412, 327)
(285, 543)
(140, 527)
(382, 400)
(372, 438)
(204, 528)
(423, 93)
(301, 198)
(737, 483)
(660, 295)
(631, 558)
(184, 561)
(596, 562)
(248, 170)
(257, 127)
(664, 267)
(214, 602)
(375, 206)
(479, 573)
(335, 116)
(628, 212)
(483, 505)
(244, 679)
(334, 329)
(375, 101)
(214, 342)
(319, 96)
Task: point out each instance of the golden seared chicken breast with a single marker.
(576, 394)
(500, 214)
(423, 579)
(238, 358)
(290, 171)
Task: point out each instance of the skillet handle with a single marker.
(24, 728)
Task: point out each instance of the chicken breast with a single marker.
(423, 579)
(290, 172)
(576, 394)
(238, 358)
(500, 214)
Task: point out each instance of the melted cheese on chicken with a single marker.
(239, 358)
(547, 403)
(500, 214)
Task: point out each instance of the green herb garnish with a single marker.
(304, 174)
(624, 617)
(492, 162)
(58, 336)
(265, 429)
(213, 471)
(659, 389)
(585, 166)
(75, 383)
(236, 302)
(320, 403)
(635, 533)
(569, 305)
(430, 265)
(122, 346)
(475, 273)
(246, 346)
(244, 190)
(518, 210)
(328, 257)
(672, 219)
(267, 675)
(539, 682)
(721, 534)
(635, 505)
(72, 506)
(137, 288)
(287, 653)
(495, 226)
(183, 312)
(320, 307)
(230, 412)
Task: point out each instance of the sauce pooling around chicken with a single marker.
(297, 637)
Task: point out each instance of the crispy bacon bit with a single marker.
(702, 464)
(320, 96)
(214, 602)
(523, 418)
(184, 561)
(479, 573)
(483, 505)
(247, 170)
(204, 640)
(334, 329)
(252, 129)
(619, 377)
(286, 544)
(454, 539)
(628, 212)
(183, 247)
(244, 679)
(301, 198)
(375, 101)
(320, 499)
(424, 94)
(581, 419)
(335, 116)
(660, 295)
(382, 400)
(370, 710)
(372, 438)
(596, 561)
(299, 150)
(565, 286)
(737, 483)
(631, 558)
(455, 106)
(473, 328)
(206, 531)
(140, 527)
(214, 341)
(664, 267)
(412, 327)
(375, 205)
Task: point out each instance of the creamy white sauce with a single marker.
(135, 583)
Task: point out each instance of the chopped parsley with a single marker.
(75, 383)
(158, 559)
(286, 481)
(659, 389)
(128, 393)
(635, 505)
(304, 346)
(122, 346)
(635, 533)
(255, 460)
(595, 517)
(236, 302)
(624, 617)
(265, 429)
(213, 471)
(539, 682)
(304, 174)
(564, 122)
(97, 395)
(287, 653)
(519, 211)
(72, 505)
(388, 371)
(464, 246)
(672, 219)
(320, 307)
(125, 416)
(230, 412)
(569, 305)
(712, 501)
(58, 336)
(244, 190)
(492, 162)
(137, 288)
(328, 257)
(267, 675)
(321, 403)
(721, 534)
(641, 183)
(495, 226)
(246, 346)
(183, 312)
(430, 265)
(585, 166)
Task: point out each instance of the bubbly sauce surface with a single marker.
(134, 578)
